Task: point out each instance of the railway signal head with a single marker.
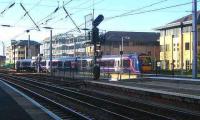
(95, 35)
(98, 20)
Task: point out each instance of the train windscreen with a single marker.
(135, 64)
(145, 60)
(26, 63)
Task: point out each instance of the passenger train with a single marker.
(130, 63)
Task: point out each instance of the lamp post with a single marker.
(172, 64)
(3, 48)
(121, 53)
(50, 49)
(28, 47)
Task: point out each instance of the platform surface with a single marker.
(10, 110)
(15, 105)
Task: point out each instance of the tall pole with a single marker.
(51, 52)
(122, 49)
(29, 51)
(74, 47)
(14, 55)
(194, 29)
(3, 48)
(172, 64)
(85, 36)
(181, 48)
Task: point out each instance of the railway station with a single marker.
(99, 60)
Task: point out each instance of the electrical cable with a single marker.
(147, 11)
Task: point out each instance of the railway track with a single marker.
(88, 105)
(110, 108)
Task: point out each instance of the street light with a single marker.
(29, 51)
(50, 57)
(5, 25)
(121, 53)
(28, 46)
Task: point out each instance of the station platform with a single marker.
(15, 105)
(171, 92)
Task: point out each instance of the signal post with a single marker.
(95, 40)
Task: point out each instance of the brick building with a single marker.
(139, 42)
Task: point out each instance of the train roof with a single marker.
(24, 60)
(117, 56)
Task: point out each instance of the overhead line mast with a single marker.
(195, 41)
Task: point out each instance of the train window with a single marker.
(126, 63)
(102, 63)
(18, 64)
(43, 63)
(67, 64)
(84, 63)
(109, 63)
(26, 63)
(34, 64)
(54, 63)
(59, 63)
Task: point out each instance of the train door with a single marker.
(126, 65)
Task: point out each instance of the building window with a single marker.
(167, 47)
(176, 32)
(115, 45)
(149, 53)
(169, 32)
(187, 46)
(126, 43)
(161, 48)
(187, 29)
(187, 64)
(162, 33)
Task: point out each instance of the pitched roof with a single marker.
(145, 37)
(25, 42)
(186, 20)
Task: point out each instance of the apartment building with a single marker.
(176, 43)
(65, 45)
(20, 50)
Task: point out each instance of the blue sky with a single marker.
(39, 9)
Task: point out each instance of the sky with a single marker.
(140, 16)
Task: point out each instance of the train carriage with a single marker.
(25, 65)
(130, 63)
(117, 63)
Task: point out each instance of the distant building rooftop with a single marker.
(145, 37)
(186, 20)
(25, 42)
